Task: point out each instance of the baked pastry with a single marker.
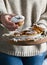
(28, 32)
(32, 33)
(37, 29)
(19, 19)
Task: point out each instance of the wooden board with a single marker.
(29, 42)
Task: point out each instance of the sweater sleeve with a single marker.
(43, 20)
(2, 6)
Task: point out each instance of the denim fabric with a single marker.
(15, 60)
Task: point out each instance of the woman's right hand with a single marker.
(6, 21)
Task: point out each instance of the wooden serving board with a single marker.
(29, 42)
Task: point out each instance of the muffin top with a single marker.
(18, 18)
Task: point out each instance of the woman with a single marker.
(35, 12)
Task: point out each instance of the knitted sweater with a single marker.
(35, 12)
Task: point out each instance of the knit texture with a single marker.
(34, 12)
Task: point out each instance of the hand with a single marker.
(6, 21)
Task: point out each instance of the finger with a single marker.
(14, 27)
(11, 27)
(9, 23)
(8, 18)
(11, 15)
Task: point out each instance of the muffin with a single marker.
(19, 19)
